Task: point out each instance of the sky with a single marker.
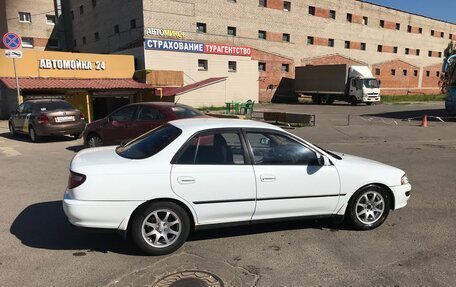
(438, 9)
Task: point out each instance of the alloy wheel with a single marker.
(370, 207)
(161, 228)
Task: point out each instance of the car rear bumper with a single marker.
(61, 129)
(401, 195)
(99, 214)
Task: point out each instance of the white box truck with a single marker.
(327, 83)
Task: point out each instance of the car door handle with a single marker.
(185, 180)
(267, 177)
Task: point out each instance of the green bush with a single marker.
(411, 98)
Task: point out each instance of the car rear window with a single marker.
(51, 106)
(149, 143)
(182, 112)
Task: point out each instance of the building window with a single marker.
(81, 9)
(132, 23)
(202, 65)
(393, 72)
(231, 31)
(312, 10)
(84, 40)
(262, 3)
(53, 43)
(349, 17)
(404, 72)
(285, 37)
(398, 26)
(310, 40)
(382, 23)
(395, 50)
(440, 54)
(50, 19)
(201, 27)
(432, 32)
(437, 74)
(330, 42)
(94, 3)
(377, 72)
(347, 45)
(262, 34)
(96, 36)
(407, 51)
(27, 42)
(428, 73)
(286, 6)
(415, 73)
(261, 66)
(285, 68)
(417, 52)
(430, 54)
(380, 48)
(365, 20)
(25, 17)
(409, 29)
(420, 30)
(363, 46)
(116, 29)
(75, 43)
(332, 14)
(232, 66)
(442, 35)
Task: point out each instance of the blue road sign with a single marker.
(12, 41)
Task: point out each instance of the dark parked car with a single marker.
(131, 121)
(46, 117)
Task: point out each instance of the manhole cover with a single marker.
(191, 278)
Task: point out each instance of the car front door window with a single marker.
(124, 115)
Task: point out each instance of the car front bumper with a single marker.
(401, 195)
(99, 214)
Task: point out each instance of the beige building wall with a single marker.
(241, 85)
(213, 95)
(38, 28)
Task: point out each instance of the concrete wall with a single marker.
(241, 85)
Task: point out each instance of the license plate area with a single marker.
(64, 119)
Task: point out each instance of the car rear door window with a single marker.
(277, 149)
(124, 114)
(215, 149)
(150, 114)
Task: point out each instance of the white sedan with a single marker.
(206, 172)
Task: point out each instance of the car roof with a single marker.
(45, 100)
(160, 104)
(197, 124)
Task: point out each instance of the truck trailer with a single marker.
(327, 83)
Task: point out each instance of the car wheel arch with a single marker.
(381, 185)
(186, 208)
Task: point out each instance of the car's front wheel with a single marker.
(12, 130)
(33, 136)
(94, 141)
(160, 228)
(368, 208)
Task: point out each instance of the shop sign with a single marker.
(52, 64)
(164, 33)
(227, 50)
(176, 46)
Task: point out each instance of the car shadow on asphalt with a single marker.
(433, 115)
(45, 226)
(26, 138)
(76, 148)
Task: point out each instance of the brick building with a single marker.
(404, 50)
(36, 21)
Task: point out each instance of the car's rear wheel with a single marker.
(33, 136)
(368, 208)
(160, 228)
(12, 130)
(94, 141)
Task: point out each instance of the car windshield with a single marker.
(183, 112)
(51, 106)
(370, 83)
(149, 143)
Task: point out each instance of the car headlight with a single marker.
(404, 179)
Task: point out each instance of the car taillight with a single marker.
(81, 117)
(75, 179)
(43, 119)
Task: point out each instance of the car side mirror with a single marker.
(115, 123)
(321, 160)
(13, 113)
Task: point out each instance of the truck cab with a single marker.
(364, 90)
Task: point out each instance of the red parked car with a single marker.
(131, 121)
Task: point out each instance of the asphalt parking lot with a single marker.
(415, 247)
